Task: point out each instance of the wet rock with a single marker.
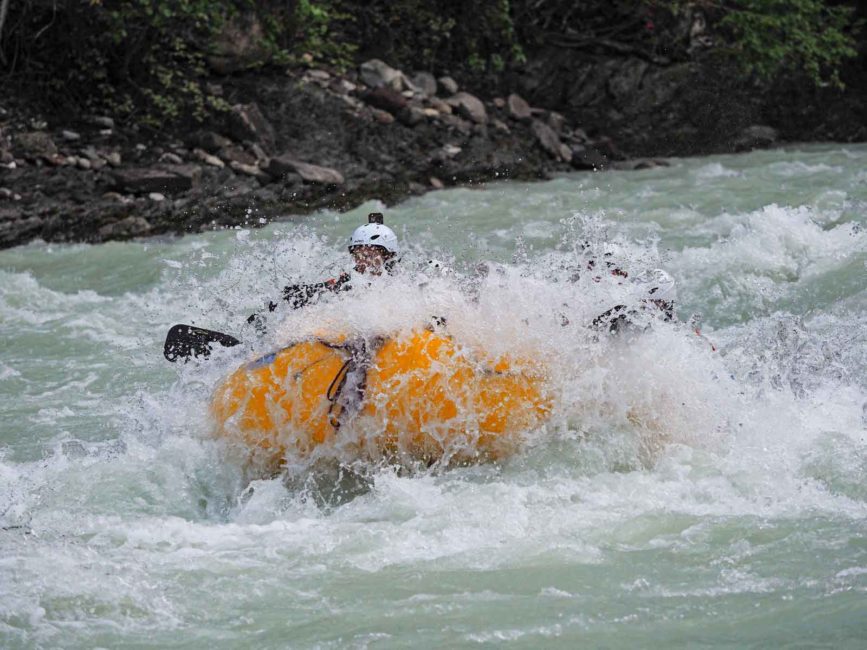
(232, 154)
(432, 113)
(189, 171)
(556, 121)
(385, 99)
(499, 102)
(565, 152)
(250, 170)
(171, 158)
(756, 137)
(157, 197)
(439, 105)
(91, 154)
(468, 106)
(607, 148)
(102, 121)
(208, 159)
(35, 144)
(125, 228)
(426, 83)
(378, 74)
(282, 165)
(70, 136)
(113, 158)
(546, 137)
(383, 117)
(518, 108)
(412, 115)
(345, 86)
(259, 154)
(318, 75)
(83, 163)
(436, 183)
(116, 196)
(448, 85)
(588, 158)
(209, 141)
(457, 123)
(15, 231)
(247, 122)
(145, 180)
(499, 125)
(640, 163)
(451, 150)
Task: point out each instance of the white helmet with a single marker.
(656, 284)
(375, 234)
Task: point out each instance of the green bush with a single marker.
(810, 35)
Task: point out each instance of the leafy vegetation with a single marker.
(150, 60)
(812, 35)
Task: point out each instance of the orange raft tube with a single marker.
(417, 397)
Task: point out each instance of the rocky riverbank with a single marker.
(291, 143)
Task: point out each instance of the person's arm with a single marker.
(300, 295)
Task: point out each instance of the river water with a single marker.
(678, 496)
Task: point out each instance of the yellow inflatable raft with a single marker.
(418, 397)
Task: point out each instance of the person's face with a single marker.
(368, 259)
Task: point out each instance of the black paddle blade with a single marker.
(185, 341)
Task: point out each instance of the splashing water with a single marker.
(675, 496)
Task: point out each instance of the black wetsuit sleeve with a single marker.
(300, 295)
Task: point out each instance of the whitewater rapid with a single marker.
(679, 495)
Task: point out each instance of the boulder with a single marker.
(113, 158)
(170, 157)
(426, 83)
(102, 121)
(232, 154)
(546, 137)
(35, 144)
(386, 99)
(144, 180)
(250, 170)
(412, 115)
(518, 108)
(588, 157)
(439, 105)
(318, 75)
(449, 85)
(209, 141)
(755, 137)
(125, 228)
(247, 122)
(556, 121)
(457, 123)
(383, 117)
(191, 172)
(378, 74)
(641, 163)
(208, 159)
(468, 106)
(281, 165)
